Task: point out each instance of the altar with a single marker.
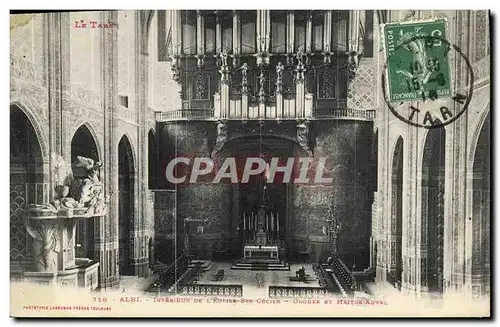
(261, 252)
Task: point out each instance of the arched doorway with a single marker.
(26, 184)
(397, 214)
(432, 188)
(481, 212)
(126, 199)
(152, 160)
(83, 145)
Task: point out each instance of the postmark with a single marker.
(417, 78)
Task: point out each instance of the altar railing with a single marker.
(212, 289)
(297, 291)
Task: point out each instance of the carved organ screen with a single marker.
(278, 31)
(248, 31)
(188, 19)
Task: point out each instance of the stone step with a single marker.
(282, 266)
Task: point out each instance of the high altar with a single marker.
(261, 234)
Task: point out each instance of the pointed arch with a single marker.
(126, 206)
(481, 199)
(432, 209)
(152, 160)
(26, 182)
(35, 123)
(84, 144)
(396, 264)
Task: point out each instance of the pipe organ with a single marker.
(264, 64)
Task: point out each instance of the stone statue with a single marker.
(221, 137)
(303, 137)
(279, 71)
(224, 56)
(88, 191)
(61, 171)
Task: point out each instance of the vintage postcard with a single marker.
(250, 163)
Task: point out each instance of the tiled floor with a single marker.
(248, 277)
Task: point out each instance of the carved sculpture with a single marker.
(244, 79)
(83, 190)
(224, 68)
(300, 68)
(221, 136)
(279, 77)
(262, 79)
(60, 169)
(303, 136)
(47, 237)
(176, 69)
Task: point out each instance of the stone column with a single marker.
(106, 240)
(58, 64)
(140, 87)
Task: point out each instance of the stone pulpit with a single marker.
(53, 227)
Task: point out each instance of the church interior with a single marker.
(105, 100)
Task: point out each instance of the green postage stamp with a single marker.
(417, 61)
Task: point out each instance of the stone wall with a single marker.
(198, 200)
(346, 145)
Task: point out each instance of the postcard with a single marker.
(250, 163)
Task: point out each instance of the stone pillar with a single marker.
(58, 62)
(106, 239)
(140, 260)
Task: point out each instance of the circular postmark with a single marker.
(418, 68)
